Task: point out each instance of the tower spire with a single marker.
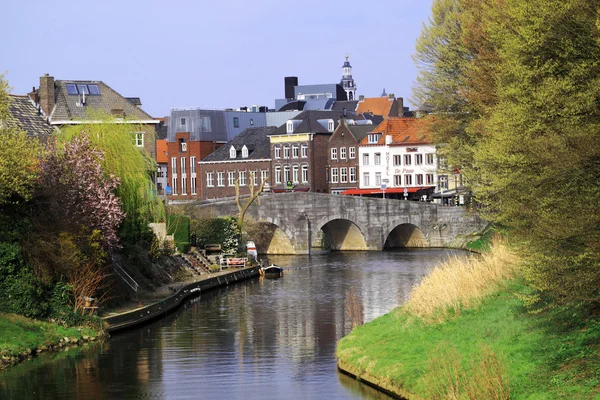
(347, 81)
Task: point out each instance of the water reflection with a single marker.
(265, 338)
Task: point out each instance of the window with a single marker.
(397, 180)
(374, 137)
(304, 151)
(183, 184)
(193, 165)
(174, 166)
(94, 90)
(232, 152)
(407, 159)
(443, 179)
(295, 151)
(236, 122)
(182, 145)
(352, 152)
(83, 89)
(305, 174)
(418, 159)
(407, 180)
(183, 166)
(286, 174)
(295, 174)
(286, 152)
(365, 159)
(174, 185)
(205, 124)
(334, 154)
(342, 153)
(352, 174)
(193, 182)
(244, 152)
(264, 175)
(334, 175)
(253, 178)
(220, 179)
(231, 178)
(209, 179)
(366, 179)
(139, 139)
(378, 178)
(278, 174)
(429, 158)
(429, 179)
(251, 122)
(442, 162)
(419, 179)
(397, 160)
(343, 175)
(377, 158)
(182, 122)
(277, 152)
(330, 126)
(289, 127)
(242, 175)
(71, 88)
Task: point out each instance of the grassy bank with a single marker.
(20, 336)
(461, 337)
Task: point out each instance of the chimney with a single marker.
(400, 101)
(46, 94)
(391, 96)
(388, 139)
(290, 82)
(361, 97)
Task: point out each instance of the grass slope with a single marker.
(538, 356)
(17, 334)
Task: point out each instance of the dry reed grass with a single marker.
(461, 283)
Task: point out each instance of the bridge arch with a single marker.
(341, 234)
(271, 236)
(405, 235)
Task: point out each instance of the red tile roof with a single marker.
(403, 131)
(376, 105)
(161, 152)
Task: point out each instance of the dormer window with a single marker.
(244, 152)
(330, 125)
(232, 152)
(290, 127)
(374, 137)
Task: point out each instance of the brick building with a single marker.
(247, 153)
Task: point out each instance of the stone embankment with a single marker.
(136, 315)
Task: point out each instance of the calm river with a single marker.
(260, 339)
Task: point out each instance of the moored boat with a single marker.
(271, 270)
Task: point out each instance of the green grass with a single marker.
(484, 242)
(17, 334)
(549, 355)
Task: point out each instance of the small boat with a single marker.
(271, 270)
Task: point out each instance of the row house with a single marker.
(299, 152)
(246, 158)
(398, 159)
(342, 167)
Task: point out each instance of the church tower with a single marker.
(347, 82)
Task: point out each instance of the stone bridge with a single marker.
(295, 223)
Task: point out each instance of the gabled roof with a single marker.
(376, 105)
(310, 122)
(361, 131)
(161, 151)
(349, 105)
(404, 131)
(108, 101)
(24, 115)
(256, 141)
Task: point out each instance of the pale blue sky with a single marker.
(185, 53)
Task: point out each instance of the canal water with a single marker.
(259, 339)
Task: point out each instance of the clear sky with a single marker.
(199, 53)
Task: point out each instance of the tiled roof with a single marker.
(255, 139)
(349, 105)
(361, 131)
(24, 115)
(107, 101)
(376, 105)
(310, 122)
(161, 151)
(403, 131)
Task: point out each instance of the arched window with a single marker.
(232, 152)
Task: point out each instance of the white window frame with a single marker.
(278, 174)
(304, 151)
(365, 158)
(183, 168)
(286, 151)
(352, 152)
(418, 159)
(231, 178)
(408, 159)
(210, 179)
(334, 175)
(221, 179)
(366, 179)
(305, 174)
(397, 160)
(183, 184)
(377, 159)
(277, 151)
(334, 153)
(295, 151)
(193, 184)
(429, 158)
(193, 165)
(295, 174)
(286, 174)
(242, 177)
(408, 180)
(377, 178)
(419, 179)
(139, 139)
(342, 153)
(429, 179)
(352, 174)
(232, 152)
(264, 175)
(344, 175)
(244, 152)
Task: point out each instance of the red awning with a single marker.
(354, 192)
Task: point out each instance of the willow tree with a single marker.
(133, 167)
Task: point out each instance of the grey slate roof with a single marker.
(255, 139)
(66, 107)
(361, 131)
(25, 116)
(310, 123)
(349, 105)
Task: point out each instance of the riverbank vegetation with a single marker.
(74, 206)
